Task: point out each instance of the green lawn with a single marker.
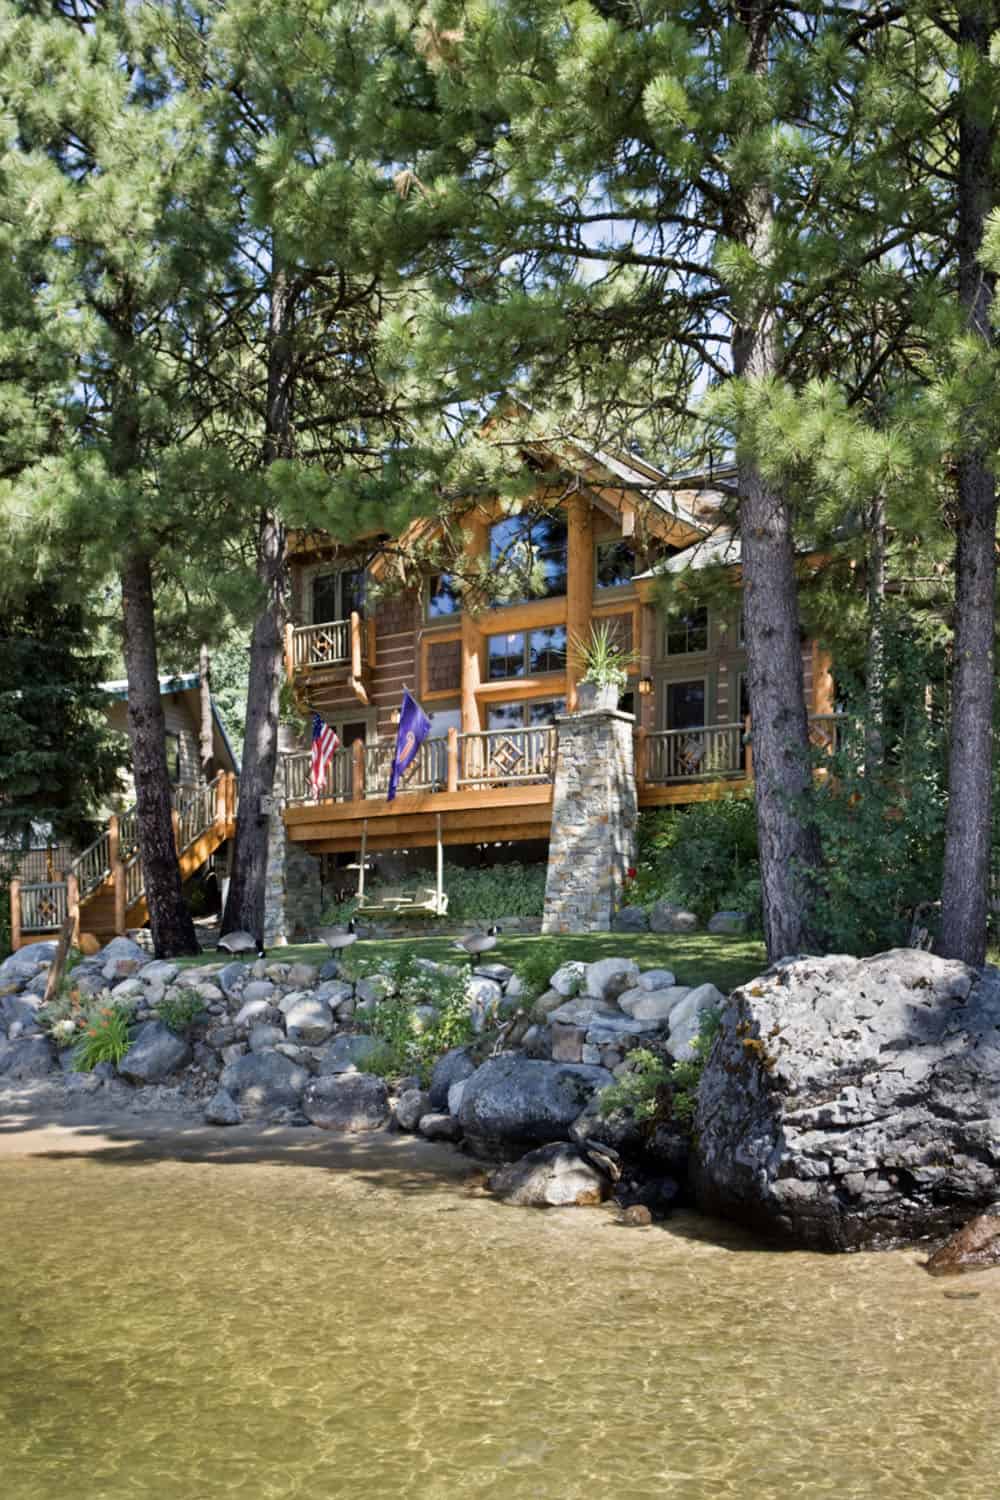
(694, 958)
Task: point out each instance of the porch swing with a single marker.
(432, 901)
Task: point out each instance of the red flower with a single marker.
(631, 872)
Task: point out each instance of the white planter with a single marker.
(592, 695)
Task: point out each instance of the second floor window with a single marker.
(615, 564)
(522, 653)
(529, 553)
(443, 598)
(687, 632)
(336, 594)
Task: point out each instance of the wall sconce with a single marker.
(645, 686)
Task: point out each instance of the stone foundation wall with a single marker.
(293, 894)
(594, 812)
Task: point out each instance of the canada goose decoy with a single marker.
(241, 942)
(336, 938)
(479, 942)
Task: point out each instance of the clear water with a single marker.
(318, 1319)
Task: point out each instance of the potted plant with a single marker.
(606, 667)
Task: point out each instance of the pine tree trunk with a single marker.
(788, 845)
(206, 737)
(169, 919)
(246, 901)
(875, 656)
(965, 881)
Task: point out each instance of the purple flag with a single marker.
(414, 727)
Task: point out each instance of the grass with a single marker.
(694, 958)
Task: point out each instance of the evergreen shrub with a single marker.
(702, 857)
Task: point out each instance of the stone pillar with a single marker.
(293, 894)
(594, 811)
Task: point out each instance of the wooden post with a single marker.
(822, 681)
(355, 645)
(579, 588)
(231, 798)
(440, 866)
(640, 758)
(15, 913)
(358, 770)
(361, 865)
(747, 750)
(73, 907)
(453, 759)
(289, 651)
(647, 655)
(220, 804)
(476, 532)
(175, 818)
(370, 641)
(117, 872)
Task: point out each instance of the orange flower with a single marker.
(105, 1011)
(91, 1031)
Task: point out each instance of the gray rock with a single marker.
(222, 1109)
(373, 989)
(27, 1057)
(220, 1036)
(455, 1096)
(514, 988)
(262, 1082)
(206, 1058)
(210, 993)
(653, 1005)
(451, 1067)
(851, 1102)
(121, 968)
(309, 1020)
(554, 1176)
(303, 976)
(537, 1042)
(431, 966)
(18, 1010)
(252, 1011)
(120, 947)
(335, 992)
(330, 969)
(515, 1102)
(301, 1056)
(568, 980)
(20, 967)
(155, 1053)
(346, 1054)
(666, 917)
(545, 1004)
(656, 979)
(132, 989)
(258, 989)
(500, 973)
(424, 1017)
(410, 1106)
(729, 923)
(567, 1043)
(231, 978)
(349, 1102)
(610, 977)
(484, 996)
(440, 1127)
(263, 1036)
(234, 1050)
(618, 1129)
(160, 971)
(39, 984)
(685, 1019)
(630, 919)
(582, 1012)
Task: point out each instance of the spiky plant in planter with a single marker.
(606, 666)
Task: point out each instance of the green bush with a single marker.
(637, 1091)
(407, 1042)
(703, 857)
(686, 1076)
(105, 1038)
(474, 895)
(179, 1009)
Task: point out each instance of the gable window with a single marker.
(531, 713)
(615, 564)
(521, 653)
(336, 594)
(444, 598)
(687, 632)
(533, 550)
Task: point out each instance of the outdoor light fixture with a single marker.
(645, 686)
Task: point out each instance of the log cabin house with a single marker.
(495, 679)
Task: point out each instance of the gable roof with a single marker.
(185, 682)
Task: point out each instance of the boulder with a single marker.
(685, 1019)
(851, 1102)
(500, 973)
(222, 1109)
(451, 1067)
(335, 992)
(610, 977)
(567, 1043)
(309, 1020)
(350, 1102)
(155, 1053)
(17, 1010)
(455, 1096)
(26, 1057)
(514, 988)
(654, 1006)
(373, 989)
(618, 1129)
(160, 971)
(545, 1004)
(410, 1106)
(976, 1247)
(330, 969)
(666, 917)
(582, 1013)
(655, 979)
(231, 978)
(537, 1042)
(484, 996)
(554, 1176)
(257, 989)
(121, 947)
(303, 976)
(263, 1036)
(630, 919)
(729, 923)
(440, 1127)
(252, 1011)
(513, 1101)
(346, 1054)
(262, 1082)
(568, 979)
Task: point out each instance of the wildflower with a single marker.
(91, 1031)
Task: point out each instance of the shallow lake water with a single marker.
(212, 1316)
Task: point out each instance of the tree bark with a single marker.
(206, 737)
(788, 844)
(169, 919)
(245, 905)
(875, 655)
(968, 829)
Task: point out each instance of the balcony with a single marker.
(334, 647)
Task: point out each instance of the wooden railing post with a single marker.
(117, 872)
(289, 651)
(175, 818)
(370, 640)
(356, 664)
(747, 749)
(73, 908)
(15, 914)
(358, 770)
(640, 758)
(453, 759)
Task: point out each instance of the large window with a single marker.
(615, 564)
(685, 704)
(335, 595)
(445, 598)
(531, 552)
(521, 653)
(687, 633)
(530, 713)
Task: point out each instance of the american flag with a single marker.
(324, 744)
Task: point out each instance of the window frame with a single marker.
(528, 519)
(526, 653)
(619, 541)
(321, 571)
(664, 712)
(450, 614)
(698, 651)
(524, 705)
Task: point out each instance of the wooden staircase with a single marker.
(103, 888)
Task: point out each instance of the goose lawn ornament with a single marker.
(336, 938)
(241, 942)
(479, 942)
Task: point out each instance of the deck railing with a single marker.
(707, 754)
(500, 757)
(336, 783)
(93, 866)
(43, 906)
(332, 643)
